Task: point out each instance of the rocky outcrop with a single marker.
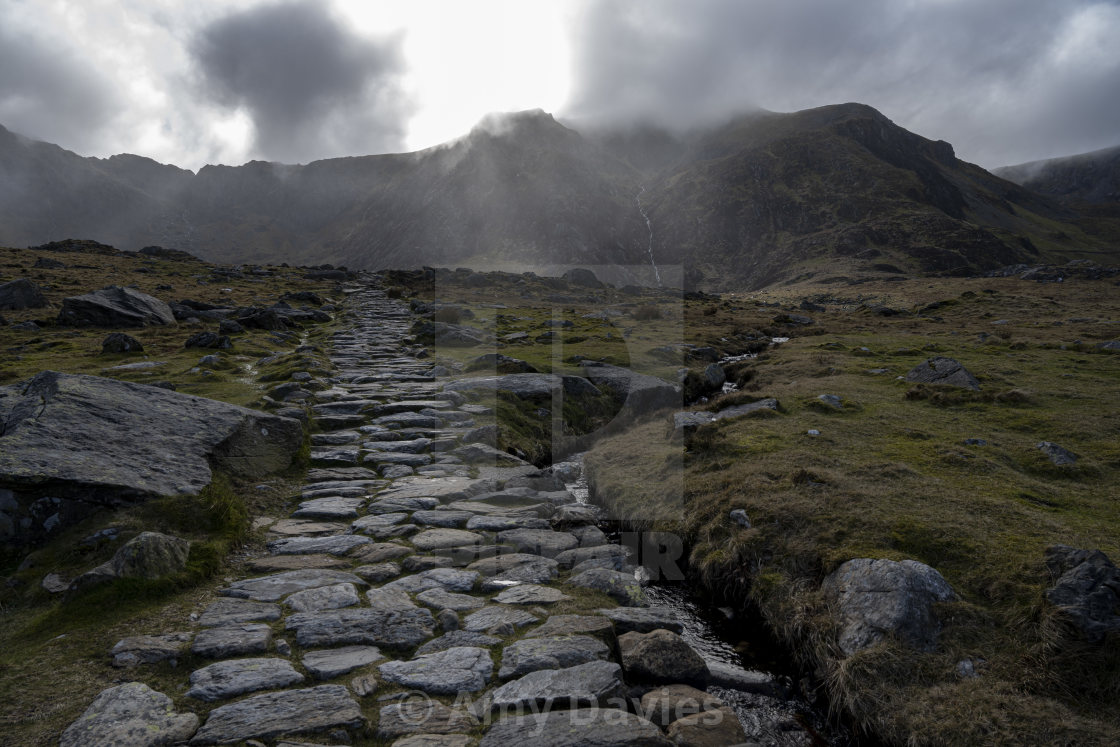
(638, 393)
(944, 371)
(1086, 590)
(879, 598)
(70, 444)
(115, 307)
(21, 294)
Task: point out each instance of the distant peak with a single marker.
(529, 122)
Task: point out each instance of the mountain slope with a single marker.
(1092, 177)
(766, 197)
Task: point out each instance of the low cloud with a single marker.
(1003, 80)
(47, 92)
(312, 87)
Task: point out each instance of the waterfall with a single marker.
(649, 225)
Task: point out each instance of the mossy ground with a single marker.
(890, 476)
(54, 656)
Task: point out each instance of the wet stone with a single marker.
(149, 649)
(273, 588)
(454, 638)
(642, 620)
(594, 727)
(530, 594)
(455, 670)
(593, 683)
(131, 714)
(330, 663)
(446, 519)
(433, 539)
(232, 640)
(554, 652)
(336, 507)
(331, 597)
(234, 611)
(441, 599)
(377, 573)
(622, 587)
(422, 716)
(226, 679)
(315, 709)
(337, 545)
(490, 617)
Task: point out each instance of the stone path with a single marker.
(408, 597)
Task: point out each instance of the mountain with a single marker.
(1092, 177)
(765, 197)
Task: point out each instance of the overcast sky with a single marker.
(225, 81)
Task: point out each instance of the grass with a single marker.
(890, 476)
(54, 652)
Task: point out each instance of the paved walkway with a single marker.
(425, 591)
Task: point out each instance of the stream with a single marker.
(720, 637)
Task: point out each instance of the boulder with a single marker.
(664, 705)
(132, 714)
(21, 294)
(638, 393)
(500, 363)
(661, 656)
(1058, 455)
(877, 598)
(119, 342)
(712, 728)
(941, 370)
(115, 307)
(208, 340)
(624, 588)
(89, 443)
(582, 277)
(148, 555)
(1086, 590)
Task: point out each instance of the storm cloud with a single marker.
(1003, 80)
(311, 86)
(47, 92)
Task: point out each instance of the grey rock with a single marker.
(593, 683)
(453, 638)
(270, 715)
(334, 457)
(448, 620)
(941, 370)
(570, 558)
(149, 649)
(21, 294)
(435, 740)
(127, 442)
(642, 620)
(744, 680)
(115, 306)
(664, 705)
(422, 716)
(542, 542)
(131, 714)
(451, 579)
(390, 624)
(552, 652)
(876, 598)
(364, 685)
(561, 625)
(1086, 589)
(330, 663)
(53, 583)
(439, 598)
(331, 597)
(477, 453)
(226, 679)
(454, 670)
(499, 523)
(148, 555)
(232, 640)
(714, 375)
(336, 545)
(718, 726)
(585, 727)
(638, 393)
(624, 588)
(306, 527)
(446, 519)
(331, 507)
(575, 515)
(589, 536)
(433, 539)
(402, 503)
(661, 656)
(1059, 456)
(119, 342)
(739, 516)
(831, 400)
(382, 551)
(378, 572)
(490, 617)
(275, 587)
(530, 594)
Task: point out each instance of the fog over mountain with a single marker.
(760, 198)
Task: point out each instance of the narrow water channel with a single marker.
(721, 636)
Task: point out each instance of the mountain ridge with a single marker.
(764, 197)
